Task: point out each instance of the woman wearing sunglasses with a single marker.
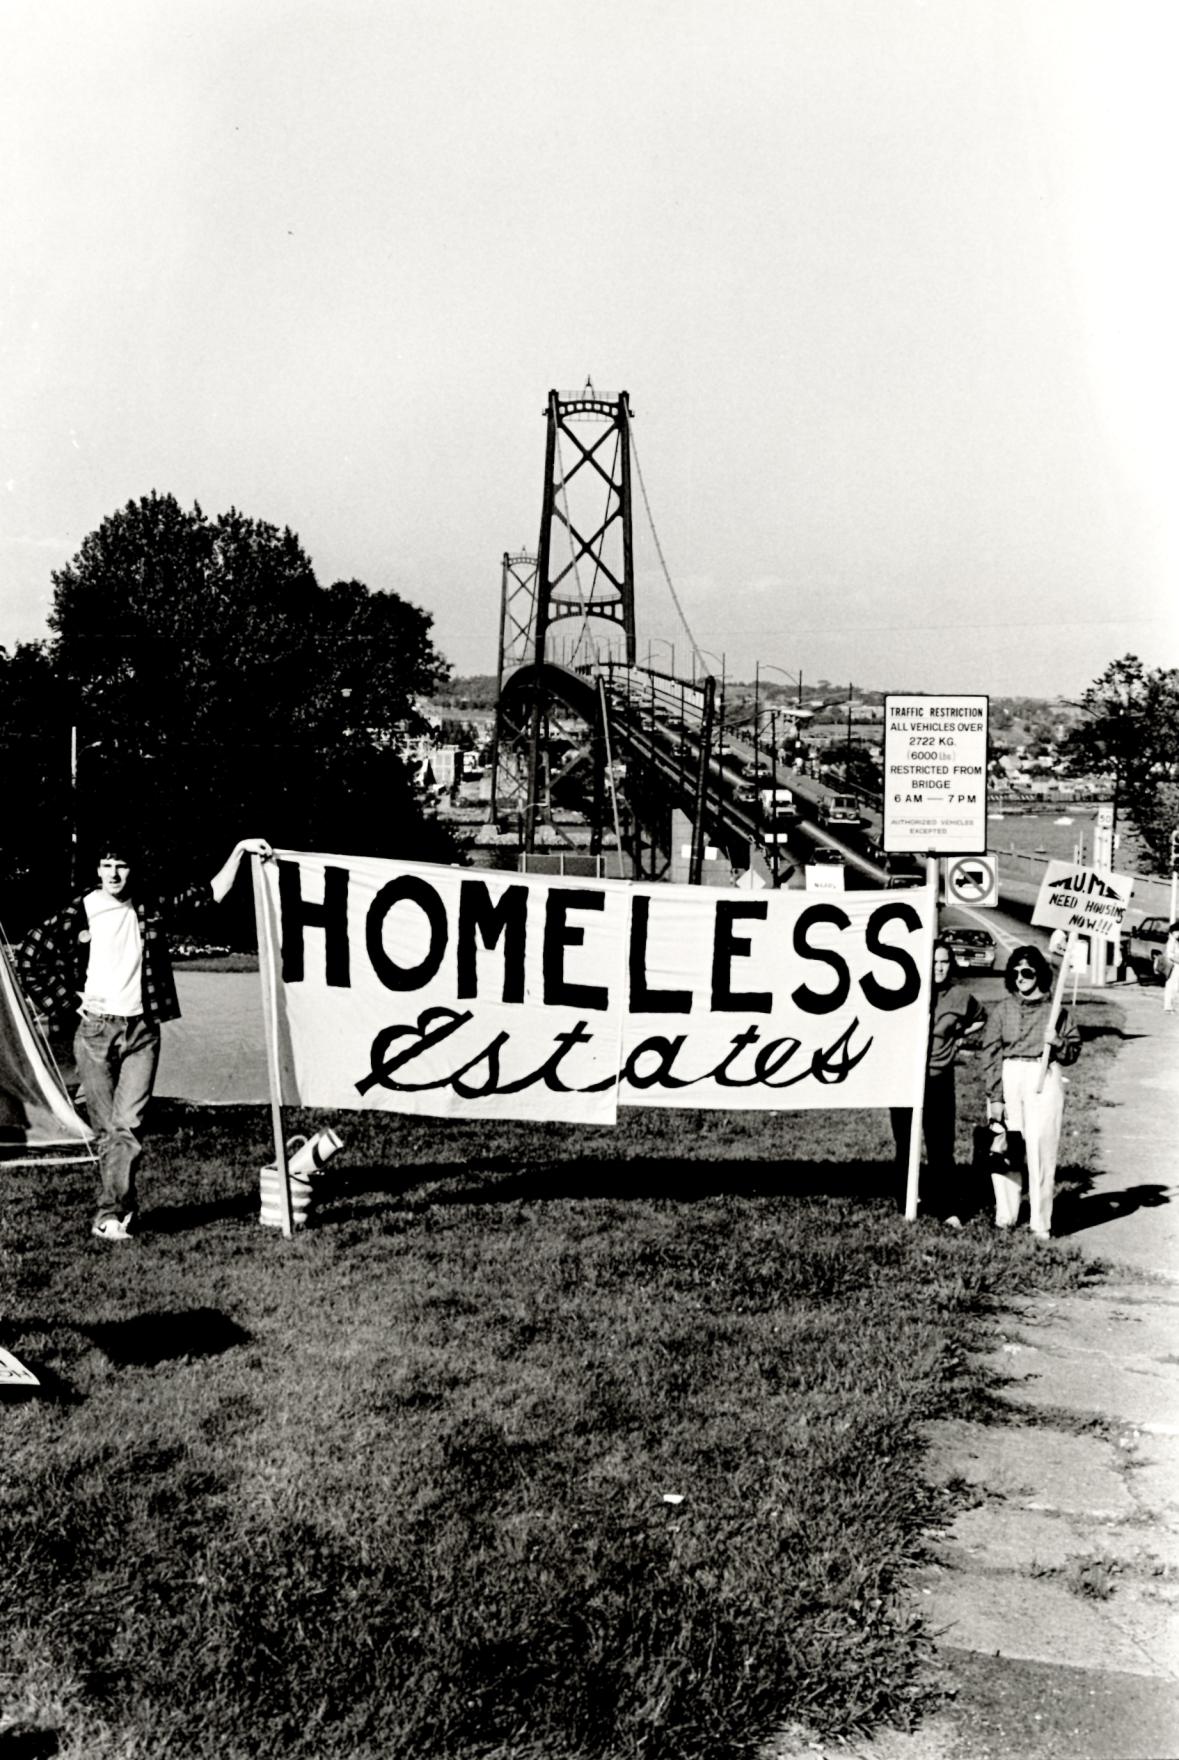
(1013, 1048)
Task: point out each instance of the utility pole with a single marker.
(696, 867)
(774, 794)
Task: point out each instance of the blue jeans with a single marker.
(117, 1057)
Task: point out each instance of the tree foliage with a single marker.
(217, 690)
(35, 763)
(1130, 732)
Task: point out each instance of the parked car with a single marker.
(1145, 947)
(821, 853)
(974, 949)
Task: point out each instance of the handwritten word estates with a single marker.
(448, 955)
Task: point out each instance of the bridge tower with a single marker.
(583, 570)
(585, 564)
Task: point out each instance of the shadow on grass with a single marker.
(1089, 1033)
(25, 1741)
(501, 1180)
(181, 1218)
(147, 1339)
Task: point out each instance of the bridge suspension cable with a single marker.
(675, 599)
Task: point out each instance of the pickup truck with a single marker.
(1145, 943)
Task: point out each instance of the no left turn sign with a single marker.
(972, 880)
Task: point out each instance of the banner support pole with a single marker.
(917, 1121)
(267, 968)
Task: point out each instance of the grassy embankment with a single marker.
(404, 1487)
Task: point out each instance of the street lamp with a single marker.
(720, 744)
(670, 646)
(758, 669)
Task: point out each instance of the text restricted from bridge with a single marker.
(465, 994)
(935, 775)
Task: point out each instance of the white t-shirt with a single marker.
(114, 973)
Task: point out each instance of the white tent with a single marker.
(35, 1110)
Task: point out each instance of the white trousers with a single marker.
(1171, 988)
(1038, 1119)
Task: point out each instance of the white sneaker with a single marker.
(112, 1228)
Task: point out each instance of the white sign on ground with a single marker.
(935, 775)
(972, 880)
(825, 877)
(13, 1372)
(1081, 899)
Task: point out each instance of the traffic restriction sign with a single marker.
(972, 880)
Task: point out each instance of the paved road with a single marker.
(216, 1051)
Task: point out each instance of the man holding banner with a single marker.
(1021, 1092)
(106, 959)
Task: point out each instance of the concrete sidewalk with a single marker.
(1053, 1595)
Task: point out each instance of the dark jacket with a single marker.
(1015, 1028)
(52, 959)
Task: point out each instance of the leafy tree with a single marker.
(35, 762)
(1130, 731)
(217, 690)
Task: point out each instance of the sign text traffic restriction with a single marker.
(935, 774)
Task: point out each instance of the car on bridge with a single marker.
(974, 949)
(840, 809)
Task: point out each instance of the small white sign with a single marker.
(825, 877)
(935, 774)
(13, 1372)
(1082, 899)
(972, 880)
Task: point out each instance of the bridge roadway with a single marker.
(657, 719)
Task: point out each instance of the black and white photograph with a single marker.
(589, 880)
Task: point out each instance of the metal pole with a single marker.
(73, 806)
(917, 1118)
(696, 867)
(774, 793)
(756, 722)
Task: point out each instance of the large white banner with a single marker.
(462, 993)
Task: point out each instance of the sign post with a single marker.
(270, 1013)
(935, 803)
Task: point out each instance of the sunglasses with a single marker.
(1024, 971)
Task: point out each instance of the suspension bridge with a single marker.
(664, 778)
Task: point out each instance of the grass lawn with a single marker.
(541, 1443)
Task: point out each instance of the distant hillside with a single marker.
(476, 692)
(1013, 719)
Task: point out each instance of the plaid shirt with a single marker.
(52, 960)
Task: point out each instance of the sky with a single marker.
(889, 283)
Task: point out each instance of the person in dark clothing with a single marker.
(955, 1016)
(105, 960)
